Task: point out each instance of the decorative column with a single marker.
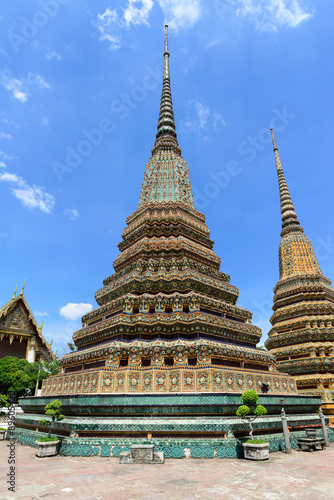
(285, 431)
(31, 351)
(324, 428)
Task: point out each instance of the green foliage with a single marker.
(242, 411)
(260, 410)
(256, 441)
(52, 410)
(249, 397)
(3, 401)
(2, 429)
(18, 375)
(51, 368)
(46, 439)
(245, 412)
(71, 346)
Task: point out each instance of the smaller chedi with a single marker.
(302, 333)
(20, 335)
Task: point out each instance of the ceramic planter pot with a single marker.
(254, 451)
(47, 448)
(311, 433)
(2, 435)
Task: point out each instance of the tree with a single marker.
(3, 401)
(18, 374)
(52, 410)
(51, 368)
(71, 346)
(249, 411)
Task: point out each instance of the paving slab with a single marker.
(299, 476)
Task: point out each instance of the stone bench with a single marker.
(311, 443)
(142, 454)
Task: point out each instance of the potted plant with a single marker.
(48, 446)
(254, 449)
(2, 433)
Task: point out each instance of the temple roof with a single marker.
(12, 304)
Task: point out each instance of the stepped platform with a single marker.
(181, 425)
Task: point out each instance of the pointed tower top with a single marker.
(166, 54)
(24, 284)
(166, 123)
(290, 222)
(15, 292)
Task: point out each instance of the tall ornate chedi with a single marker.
(302, 333)
(167, 319)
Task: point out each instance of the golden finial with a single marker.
(15, 292)
(41, 328)
(24, 284)
(50, 343)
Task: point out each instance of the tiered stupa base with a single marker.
(198, 425)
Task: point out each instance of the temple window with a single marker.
(146, 361)
(124, 362)
(169, 361)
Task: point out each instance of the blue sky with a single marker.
(80, 87)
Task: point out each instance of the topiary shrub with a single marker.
(52, 410)
(249, 411)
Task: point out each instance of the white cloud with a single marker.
(3, 135)
(40, 81)
(20, 88)
(2, 164)
(138, 11)
(75, 311)
(271, 14)
(181, 13)
(72, 213)
(53, 55)
(38, 313)
(30, 196)
(112, 23)
(106, 24)
(5, 156)
(199, 118)
(45, 122)
(218, 121)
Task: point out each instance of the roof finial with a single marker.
(290, 222)
(15, 292)
(41, 327)
(24, 284)
(166, 123)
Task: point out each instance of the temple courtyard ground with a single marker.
(301, 475)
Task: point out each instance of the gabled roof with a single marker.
(10, 306)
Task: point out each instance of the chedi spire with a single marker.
(166, 123)
(290, 223)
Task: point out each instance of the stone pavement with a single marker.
(301, 475)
